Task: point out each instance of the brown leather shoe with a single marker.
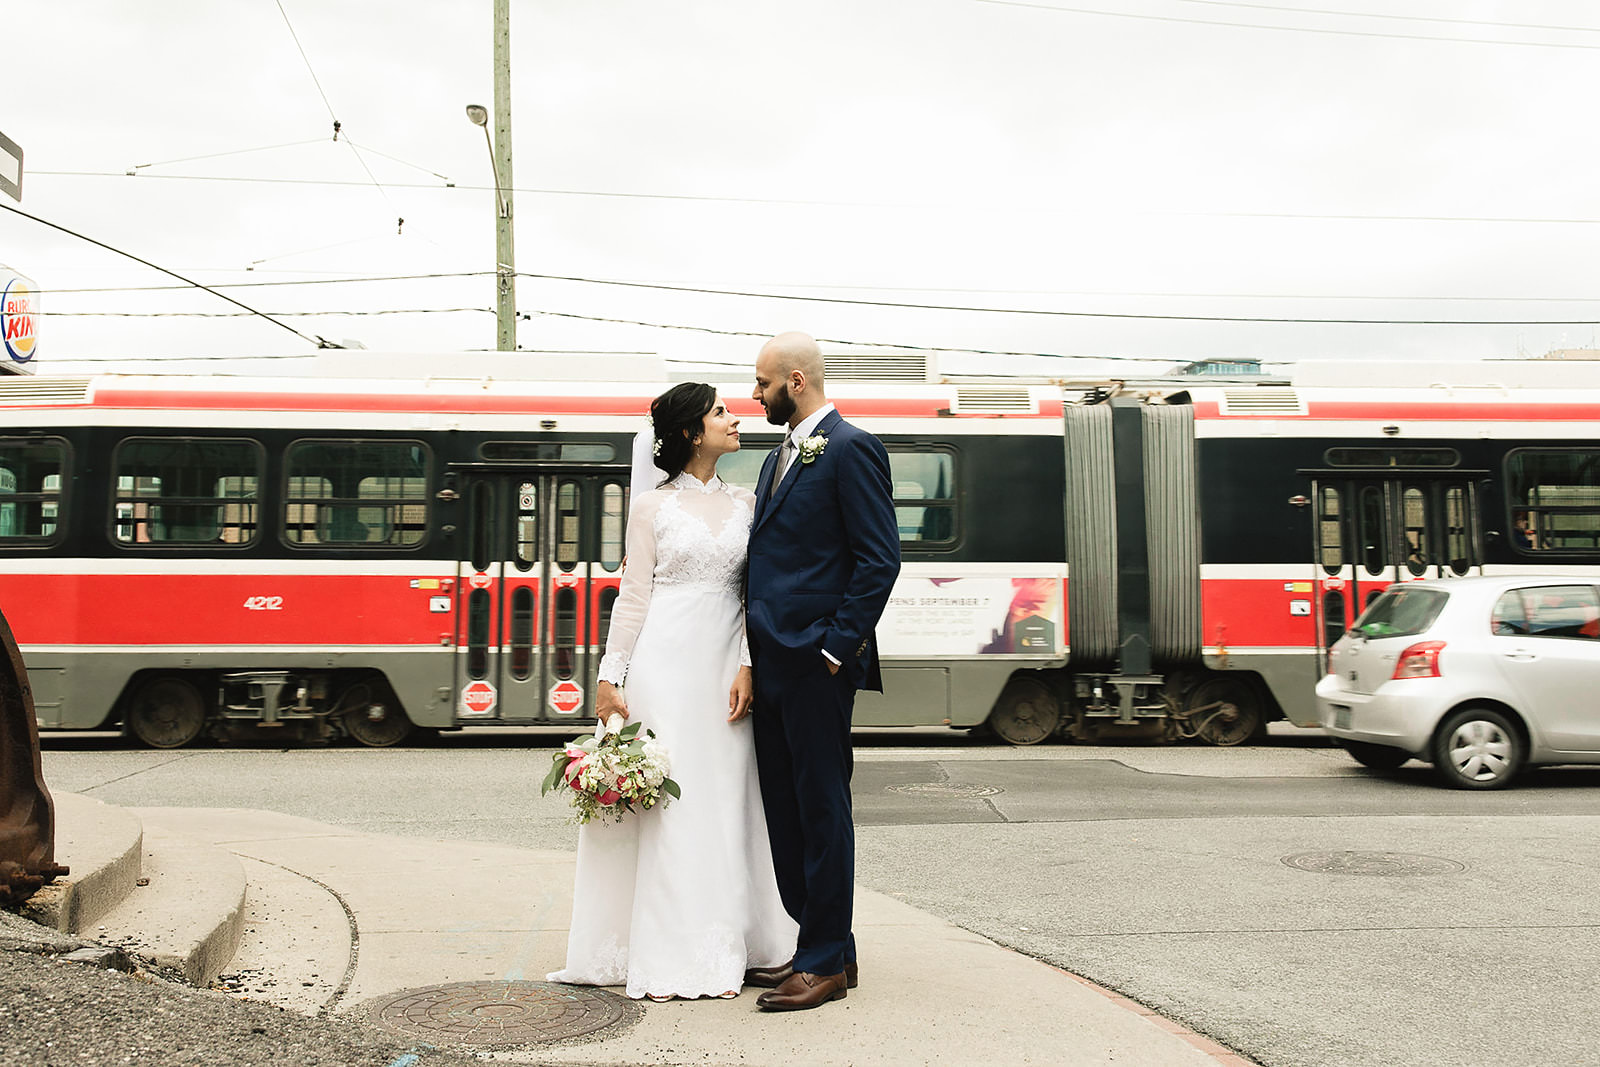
(769, 977)
(803, 991)
(773, 977)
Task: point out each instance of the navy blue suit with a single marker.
(824, 555)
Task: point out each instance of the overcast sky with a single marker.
(1396, 160)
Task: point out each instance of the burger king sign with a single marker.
(19, 306)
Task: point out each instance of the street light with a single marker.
(505, 269)
(478, 115)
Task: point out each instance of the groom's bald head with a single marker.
(789, 373)
(796, 351)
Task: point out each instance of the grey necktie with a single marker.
(785, 454)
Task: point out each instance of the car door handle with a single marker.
(1521, 656)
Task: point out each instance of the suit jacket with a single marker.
(824, 555)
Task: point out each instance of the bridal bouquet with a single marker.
(612, 772)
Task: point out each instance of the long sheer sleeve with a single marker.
(633, 598)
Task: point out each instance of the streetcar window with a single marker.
(1374, 530)
(1455, 530)
(611, 526)
(186, 490)
(1554, 496)
(924, 495)
(30, 487)
(571, 451)
(1392, 457)
(527, 526)
(567, 526)
(1330, 529)
(1418, 544)
(341, 493)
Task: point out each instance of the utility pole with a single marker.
(504, 244)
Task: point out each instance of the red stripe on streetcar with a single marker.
(178, 609)
(1416, 411)
(1252, 612)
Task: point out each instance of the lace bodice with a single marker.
(686, 535)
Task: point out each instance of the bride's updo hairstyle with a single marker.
(678, 416)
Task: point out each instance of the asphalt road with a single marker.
(1289, 903)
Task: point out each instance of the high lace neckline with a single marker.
(685, 480)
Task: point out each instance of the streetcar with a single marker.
(184, 555)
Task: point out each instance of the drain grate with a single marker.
(500, 1013)
(945, 789)
(1374, 864)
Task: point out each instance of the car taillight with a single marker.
(1421, 660)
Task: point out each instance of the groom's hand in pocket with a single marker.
(741, 695)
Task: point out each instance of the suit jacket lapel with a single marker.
(763, 485)
(795, 472)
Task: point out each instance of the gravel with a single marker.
(54, 1013)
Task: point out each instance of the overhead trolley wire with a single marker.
(1065, 314)
(1394, 18)
(1286, 29)
(336, 124)
(318, 341)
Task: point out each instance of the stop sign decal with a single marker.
(566, 697)
(479, 580)
(477, 698)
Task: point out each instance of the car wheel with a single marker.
(1378, 757)
(1476, 748)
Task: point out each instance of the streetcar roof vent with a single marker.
(1262, 400)
(993, 398)
(879, 367)
(32, 391)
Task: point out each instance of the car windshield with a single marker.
(1401, 611)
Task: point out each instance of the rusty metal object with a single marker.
(27, 814)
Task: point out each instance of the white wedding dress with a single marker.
(681, 899)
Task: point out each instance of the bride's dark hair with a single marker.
(678, 417)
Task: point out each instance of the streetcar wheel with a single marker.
(166, 713)
(1378, 757)
(1224, 711)
(1026, 713)
(1477, 748)
(390, 726)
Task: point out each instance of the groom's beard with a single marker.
(781, 408)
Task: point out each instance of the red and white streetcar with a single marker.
(184, 554)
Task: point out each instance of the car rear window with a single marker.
(1402, 611)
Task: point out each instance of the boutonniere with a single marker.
(811, 447)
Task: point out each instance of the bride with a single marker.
(681, 901)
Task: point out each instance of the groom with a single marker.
(824, 554)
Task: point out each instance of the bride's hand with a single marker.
(741, 695)
(608, 702)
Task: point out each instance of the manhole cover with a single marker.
(1377, 864)
(500, 1013)
(945, 789)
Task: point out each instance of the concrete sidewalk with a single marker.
(339, 922)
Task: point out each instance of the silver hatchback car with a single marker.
(1478, 676)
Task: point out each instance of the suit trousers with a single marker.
(802, 738)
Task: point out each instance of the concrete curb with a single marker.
(103, 845)
(189, 916)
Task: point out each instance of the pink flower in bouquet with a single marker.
(608, 798)
(577, 759)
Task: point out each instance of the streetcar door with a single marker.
(544, 559)
(1374, 529)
